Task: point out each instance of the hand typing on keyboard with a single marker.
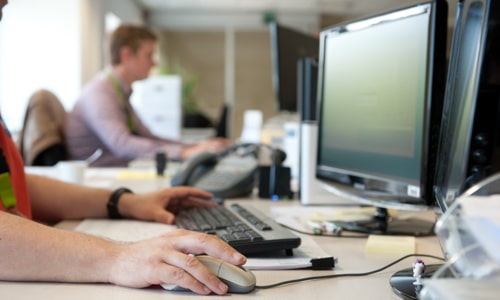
(162, 205)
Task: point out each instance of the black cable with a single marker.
(345, 274)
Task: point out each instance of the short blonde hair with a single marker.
(128, 35)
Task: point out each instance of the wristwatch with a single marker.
(112, 204)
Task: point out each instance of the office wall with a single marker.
(196, 56)
(229, 53)
(253, 75)
(202, 55)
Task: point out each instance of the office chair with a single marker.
(42, 141)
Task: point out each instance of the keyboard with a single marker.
(245, 228)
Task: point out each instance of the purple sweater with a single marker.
(99, 120)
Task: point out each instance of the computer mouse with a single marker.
(238, 279)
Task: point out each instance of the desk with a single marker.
(350, 252)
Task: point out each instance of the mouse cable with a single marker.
(346, 274)
(340, 234)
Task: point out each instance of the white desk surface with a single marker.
(351, 254)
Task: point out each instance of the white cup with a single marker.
(72, 170)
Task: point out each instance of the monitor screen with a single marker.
(380, 91)
(288, 46)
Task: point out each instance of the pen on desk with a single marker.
(319, 228)
(333, 227)
(316, 227)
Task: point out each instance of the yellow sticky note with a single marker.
(386, 244)
(136, 175)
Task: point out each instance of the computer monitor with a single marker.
(469, 147)
(380, 94)
(307, 84)
(469, 143)
(288, 46)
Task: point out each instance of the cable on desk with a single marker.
(345, 274)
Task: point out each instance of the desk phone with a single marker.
(225, 175)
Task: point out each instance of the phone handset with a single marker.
(192, 169)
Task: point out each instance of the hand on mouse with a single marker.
(165, 259)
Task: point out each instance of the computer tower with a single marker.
(469, 142)
(158, 102)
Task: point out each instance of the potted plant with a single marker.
(192, 115)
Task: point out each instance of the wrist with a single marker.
(113, 202)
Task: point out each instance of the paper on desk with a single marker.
(301, 258)
(123, 230)
(131, 231)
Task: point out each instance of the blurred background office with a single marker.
(221, 48)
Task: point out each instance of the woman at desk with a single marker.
(31, 251)
(103, 117)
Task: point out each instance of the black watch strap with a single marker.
(112, 205)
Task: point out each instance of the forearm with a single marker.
(35, 252)
(128, 146)
(54, 200)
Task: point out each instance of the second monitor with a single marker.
(288, 46)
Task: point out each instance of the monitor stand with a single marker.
(382, 223)
(402, 282)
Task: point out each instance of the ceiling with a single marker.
(344, 7)
(174, 10)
